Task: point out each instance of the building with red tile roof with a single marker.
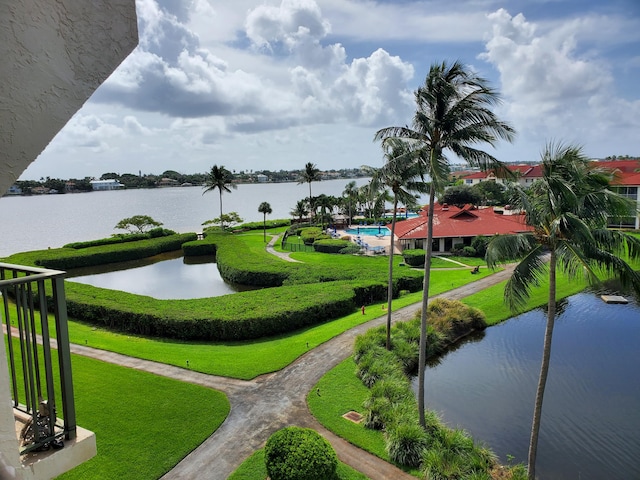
(525, 175)
(453, 225)
(627, 183)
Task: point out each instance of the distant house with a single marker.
(110, 184)
(14, 190)
(168, 182)
(262, 178)
(453, 226)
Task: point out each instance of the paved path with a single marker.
(283, 255)
(267, 403)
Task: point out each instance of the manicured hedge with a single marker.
(198, 248)
(122, 238)
(414, 258)
(241, 316)
(282, 222)
(69, 258)
(330, 245)
(306, 294)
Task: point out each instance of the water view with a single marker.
(590, 421)
(165, 276)
(87, 216)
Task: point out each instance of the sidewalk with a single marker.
(267, 403)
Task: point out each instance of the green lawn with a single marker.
(246, 360)
(144, 424)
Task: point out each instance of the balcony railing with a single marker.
(38, 385)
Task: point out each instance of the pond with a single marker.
(167, 277)
(591, 414)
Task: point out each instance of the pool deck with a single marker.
(372, 241)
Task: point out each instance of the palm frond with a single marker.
(508, 248)
(527, 274)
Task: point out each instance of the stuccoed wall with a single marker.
(54, 54)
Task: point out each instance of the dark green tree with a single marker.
(568, 209)
(461, 195)
(491, 193)
(453, 114)
(221, 179)
(265, 209)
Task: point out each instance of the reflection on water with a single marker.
(166, 276)
(590, 418)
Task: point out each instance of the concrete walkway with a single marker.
(282, 255)
(267, 403)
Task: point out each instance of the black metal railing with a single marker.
(37, 383)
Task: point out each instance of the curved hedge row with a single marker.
(69, 258)
(306, 294)
(241, 316)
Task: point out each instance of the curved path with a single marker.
(269, 402)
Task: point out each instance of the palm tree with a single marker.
(219, 178)
(403, 176)
(452, 114)
(300, 210)
(350, 192)
(568, 209)
(265, 209)
(311, 174)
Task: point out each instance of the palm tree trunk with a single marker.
(264, 226)
(311, 212)
(544, 368)
(221, 222)
(422, 355)
(390, 282)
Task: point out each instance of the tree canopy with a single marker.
(137, 223)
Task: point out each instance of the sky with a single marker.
(274, 84)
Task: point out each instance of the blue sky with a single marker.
(273, 84)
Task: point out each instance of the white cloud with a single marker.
(553, 88)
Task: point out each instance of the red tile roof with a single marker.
(461, 222)
(627, 172)
(524, 171)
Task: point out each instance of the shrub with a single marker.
(295, 453)
(480, 244)
(311, 234)
(283, 222)
(330, 245)
(350, 249)
(468, 252)
(414, 258)
(406, 443)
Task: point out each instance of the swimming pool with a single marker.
(369, 231)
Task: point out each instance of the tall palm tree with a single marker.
(219, 178)
(350, 191)
(265, 209)
(404, 177)
(453, 113)
(568, 208)
(311, 174)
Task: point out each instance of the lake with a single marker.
(41, 221)
(591, 414)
